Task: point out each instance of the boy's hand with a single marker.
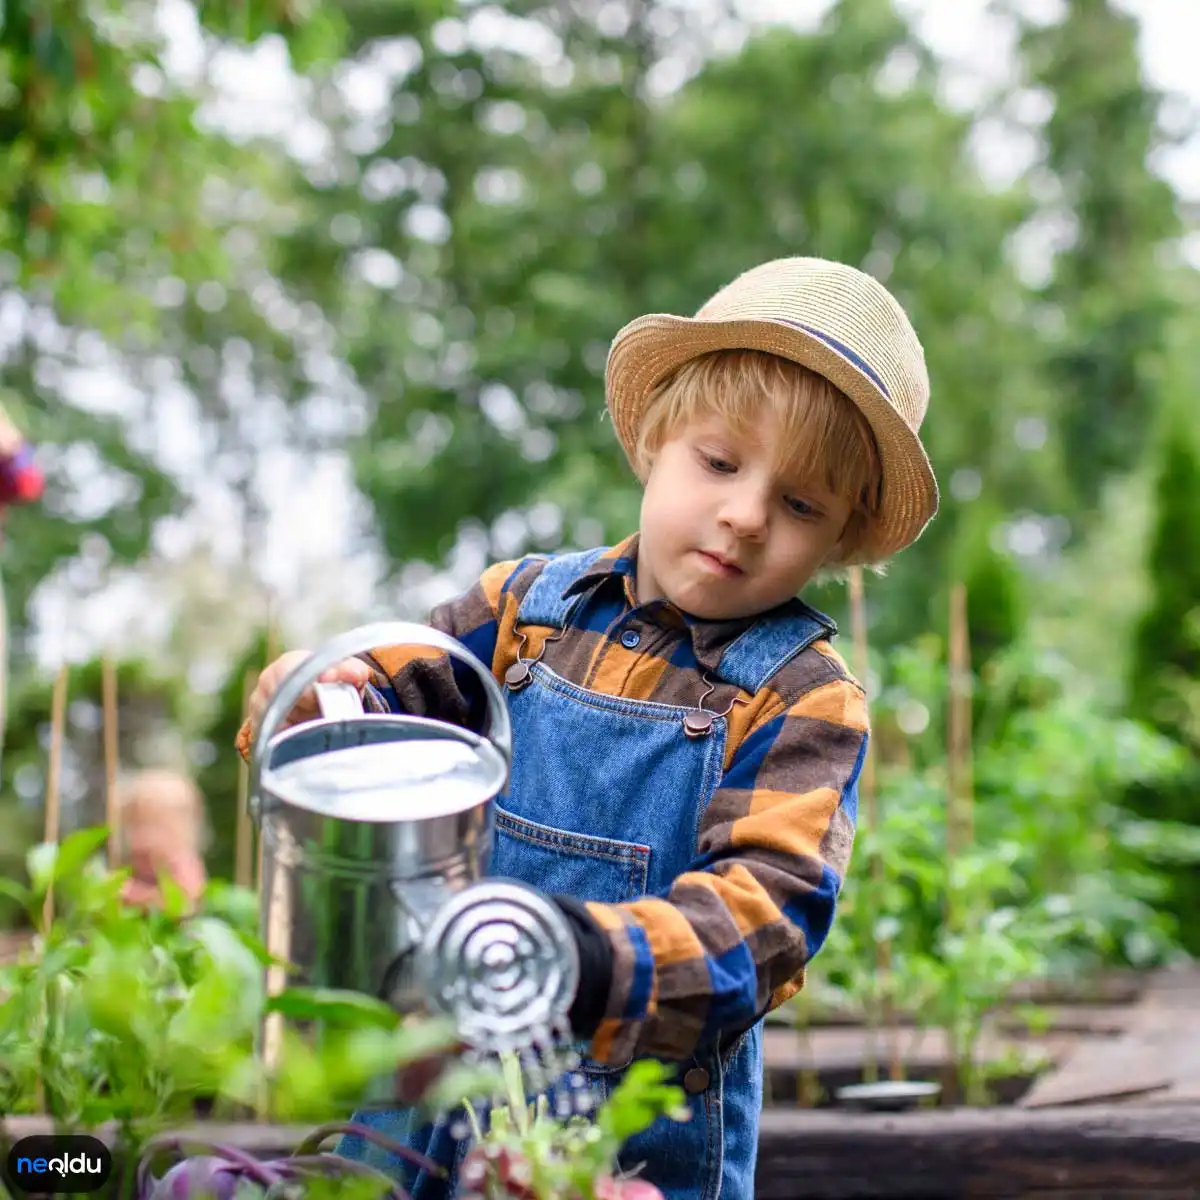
(349, 670)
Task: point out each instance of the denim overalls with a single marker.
(604, 803)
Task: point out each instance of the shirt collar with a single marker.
(619, 561)
(709, 638)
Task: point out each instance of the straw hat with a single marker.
(831, 318)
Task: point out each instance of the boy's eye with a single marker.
(721, 465)
(801, 508)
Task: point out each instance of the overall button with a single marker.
(630, 638)
(695, 1081)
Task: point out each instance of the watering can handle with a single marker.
(338, 701)
(358, 641)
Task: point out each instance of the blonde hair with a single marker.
(822, 433)
(169, 803)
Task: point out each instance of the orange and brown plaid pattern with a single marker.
(731, 938)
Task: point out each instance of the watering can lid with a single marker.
(369, 761)
(399, 769)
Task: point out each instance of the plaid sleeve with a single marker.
(426, 682)
(423, 681)
(731, 938)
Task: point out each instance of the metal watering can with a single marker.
(377, 833)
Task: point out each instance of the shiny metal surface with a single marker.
(369, 822)
(377, 832)
(499, 959)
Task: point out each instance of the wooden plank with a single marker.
(1158, 1053)
(1172, 1034)
(1097, 1153)
(837, 1049)
(1117, 985)
(1099, 1020)
(1107, 1019)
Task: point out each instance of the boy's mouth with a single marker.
(723, 566)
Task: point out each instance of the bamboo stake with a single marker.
(245, 827)
(960, 828)
(960, 821)
(868, 792)
(271, 654)
(52, 820)
(112, 814)
(277, 926)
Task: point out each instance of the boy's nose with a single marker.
(745, 513)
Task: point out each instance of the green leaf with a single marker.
(335, 1006)
(175, 902)
(639, 1100)
(76, 849)
(236, 905)
(39, 862)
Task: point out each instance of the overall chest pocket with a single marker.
(577, 864)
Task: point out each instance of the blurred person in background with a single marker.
(162, 830)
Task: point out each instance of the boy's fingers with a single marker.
(349, 670)
(269, 680)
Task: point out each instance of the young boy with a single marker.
(687, 744)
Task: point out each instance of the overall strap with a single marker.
(544, 603)
(756, 656)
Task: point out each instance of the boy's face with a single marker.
(724, 532)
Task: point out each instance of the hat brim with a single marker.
(650, 348)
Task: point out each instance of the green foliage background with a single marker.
(428, 296)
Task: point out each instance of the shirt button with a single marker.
(695, 1081)
(630, 638)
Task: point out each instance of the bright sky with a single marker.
(308, 532)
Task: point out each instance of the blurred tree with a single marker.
(997, 595)
(1164, 681)
(125, 268)
(1108, 301)
(498, 217)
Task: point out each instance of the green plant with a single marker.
(525, 1153)
(1060, 877)
(118, 1015)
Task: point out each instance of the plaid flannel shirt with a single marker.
(731, 938)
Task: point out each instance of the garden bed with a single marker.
(168, 1005)
(1100, 1153)
(1118, 1037)
(1097, 1153)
